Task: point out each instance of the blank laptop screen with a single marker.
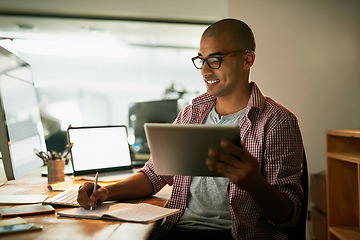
(99, 149)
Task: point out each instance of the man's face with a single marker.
(225, 80)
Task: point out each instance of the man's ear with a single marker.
(249, 60)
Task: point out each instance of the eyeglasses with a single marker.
(213, 62)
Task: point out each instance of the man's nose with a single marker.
(206, 69)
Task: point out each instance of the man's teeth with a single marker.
(211, 81)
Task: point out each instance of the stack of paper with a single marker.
(21, 199)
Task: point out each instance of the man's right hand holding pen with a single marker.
(91, 195)
(133, 187)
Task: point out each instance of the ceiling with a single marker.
(150, 23)
(159, 10)
(155, 34)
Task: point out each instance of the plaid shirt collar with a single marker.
(256, 101)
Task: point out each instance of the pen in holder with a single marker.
(55, 163)
(55, 169)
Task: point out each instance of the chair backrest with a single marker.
(299, 233)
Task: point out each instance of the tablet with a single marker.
(183, 149)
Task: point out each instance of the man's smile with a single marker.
(211, 80)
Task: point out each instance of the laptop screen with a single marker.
(99, 149)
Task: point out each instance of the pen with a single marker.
(67, 150)
(95, 184)
(41, 155)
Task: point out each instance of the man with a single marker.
(260, 195)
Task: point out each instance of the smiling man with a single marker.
(260, 193)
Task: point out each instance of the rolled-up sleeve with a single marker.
(157, 181)
(282, 161)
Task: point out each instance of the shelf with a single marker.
(349, 157)
(344, 133)
(348, 233)
(343, 184)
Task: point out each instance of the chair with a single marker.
(299, 232)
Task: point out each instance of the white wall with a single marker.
(308, 59)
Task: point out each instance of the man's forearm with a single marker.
(275, 204)
(136, 186)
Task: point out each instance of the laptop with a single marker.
(183, 149)
(103, 149)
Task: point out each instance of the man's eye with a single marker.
(198, 60)
(213, 60)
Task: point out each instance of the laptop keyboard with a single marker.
(66, 198)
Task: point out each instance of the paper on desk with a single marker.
(12, 221)
(21, 199)
(63, 186)
(142, 213)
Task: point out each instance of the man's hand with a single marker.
(243, 169)
(236, 164)
(135, 186)
(87, 198)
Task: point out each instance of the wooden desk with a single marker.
(63, 228)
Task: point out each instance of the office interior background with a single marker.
(91, 59)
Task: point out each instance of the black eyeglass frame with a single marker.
(219, 59)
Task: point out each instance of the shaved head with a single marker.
(240, 33)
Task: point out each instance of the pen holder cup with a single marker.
(56, 170)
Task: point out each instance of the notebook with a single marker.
(183, 149)
(129, 212)
(102, 149)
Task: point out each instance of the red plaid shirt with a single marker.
(272, 135)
